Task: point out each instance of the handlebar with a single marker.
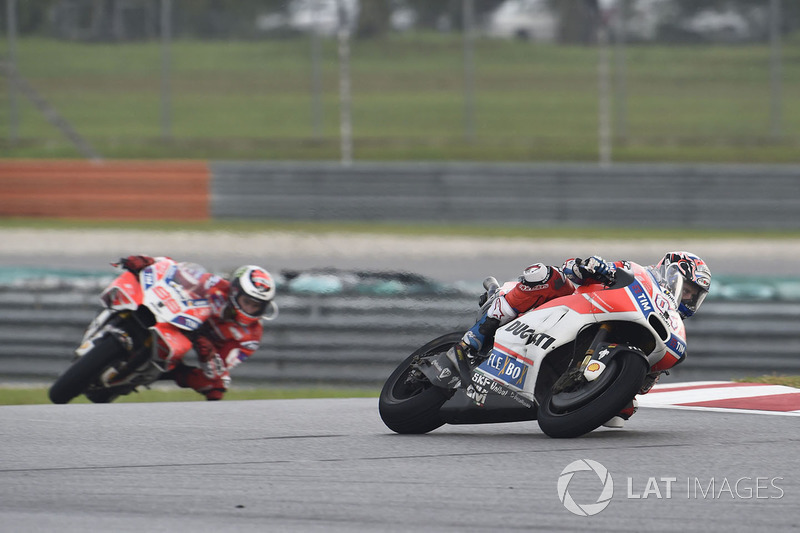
(491, 284)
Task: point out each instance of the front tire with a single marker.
(575, 413)
(411, 406)
(83, 372)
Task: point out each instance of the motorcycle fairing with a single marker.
(123, 293)
(169, 300)
(170, 341)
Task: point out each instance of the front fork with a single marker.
(589, 368)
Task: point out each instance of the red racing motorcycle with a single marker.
(142, 332)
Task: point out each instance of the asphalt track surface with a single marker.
(331, 465)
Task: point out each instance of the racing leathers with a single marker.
(538, 284)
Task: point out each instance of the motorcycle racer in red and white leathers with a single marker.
(233, 332)
(540, 283)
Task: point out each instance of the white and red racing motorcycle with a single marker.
(139, 335)
(572, 363)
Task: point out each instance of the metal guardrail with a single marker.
(351, 339)
(709, 196)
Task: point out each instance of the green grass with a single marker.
(253, 100)
(38, 395)
(789, 381)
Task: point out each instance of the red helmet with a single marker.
(251, 291)
(695, 279)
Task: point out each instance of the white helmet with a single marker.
(255, 283)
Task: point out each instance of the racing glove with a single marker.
(211, 363)
(135, 263)
(594, 267)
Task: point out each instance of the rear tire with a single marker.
(412, 407)
(576, 413)
(83, 372)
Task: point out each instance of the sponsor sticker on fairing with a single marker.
(677, 346)
(505, 368)
(186, 322)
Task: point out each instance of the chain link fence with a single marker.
(513, 80)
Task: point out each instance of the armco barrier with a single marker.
(358, 339)
(109, 190)
(647, 195)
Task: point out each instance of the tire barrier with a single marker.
(108, 190)
(356, 333)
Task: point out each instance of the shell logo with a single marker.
(594, 367)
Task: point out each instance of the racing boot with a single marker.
(461, 355)
(619, 420)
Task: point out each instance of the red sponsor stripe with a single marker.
(776, 402)
(706, 386)
(512, 353)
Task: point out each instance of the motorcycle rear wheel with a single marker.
(412, 406)
(80, 375)
(575, 413)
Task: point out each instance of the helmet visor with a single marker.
(672, 280)
(250, 306)
(692, 295)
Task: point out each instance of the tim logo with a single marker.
(148, 278)
(644, 302)
(641, 298)
(527, 333)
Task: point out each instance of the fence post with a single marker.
(11, 68)
(345, 100)
(316, 76)
(776, 104)
(469, 68)
(603, 93)
(166, 69)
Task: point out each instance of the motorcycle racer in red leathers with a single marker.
(540, 283)
(233, 332)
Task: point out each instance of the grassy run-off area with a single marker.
(531, 102)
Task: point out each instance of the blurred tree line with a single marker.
(109, 20)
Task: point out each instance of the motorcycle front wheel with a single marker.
(409, 404)
(575, 412)
(83, 372)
